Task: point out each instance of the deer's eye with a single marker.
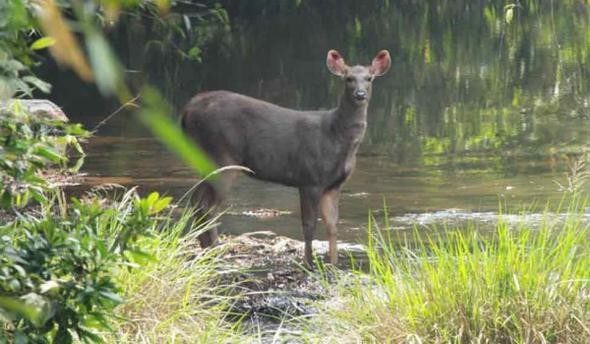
(349, 79)
(368, 78)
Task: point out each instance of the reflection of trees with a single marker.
(463, 80)
(468, 81)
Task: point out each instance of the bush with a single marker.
(17, 26)
(58, 268)
(29, 145)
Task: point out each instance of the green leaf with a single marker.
(48, 287)
(63, 336)
(43, 43)
(154, 116)
(14, 65)
(40, 84)
(195, 54)
(141, 257)
(89, 337)
(96, 320)
(49, 154)
(111, 296)
(161, 204)
(13, 285)
(21, 199)
(38, 196)
(76, 167)
(106, 69)
(19, 269)
(152, 198)
(77, 130)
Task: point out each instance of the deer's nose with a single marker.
(360, 94)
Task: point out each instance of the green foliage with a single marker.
(16, 79)
(166, 45)
(62, 265)
(56, 269)
(43, 43)
(30, 144)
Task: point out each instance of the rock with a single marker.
(270, 282)
(344, 248)
(265, 248)
(37, 107)
(265, 213)
(345, 251)
(264, 235)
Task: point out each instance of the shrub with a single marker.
(29, 145)
(60, 267)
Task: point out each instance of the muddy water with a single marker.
(423, 196)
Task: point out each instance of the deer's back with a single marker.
(278, 144)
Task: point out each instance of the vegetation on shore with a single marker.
(176, 295)
(513, 285)
(123, 268)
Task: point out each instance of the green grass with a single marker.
(514, 285)
(511, 285)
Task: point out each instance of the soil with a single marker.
(272, 282)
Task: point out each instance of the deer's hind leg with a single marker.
(207, 199)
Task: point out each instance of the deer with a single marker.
(314, 151)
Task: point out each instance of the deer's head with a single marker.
(358, 79)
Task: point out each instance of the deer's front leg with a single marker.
(309, 198)
(329, 209)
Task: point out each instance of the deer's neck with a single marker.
(349, 120)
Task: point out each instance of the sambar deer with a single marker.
(314, 151)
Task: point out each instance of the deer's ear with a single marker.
(381, 63)
(336, 63)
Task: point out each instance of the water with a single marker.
(412, 195)
(475, 111)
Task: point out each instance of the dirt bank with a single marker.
(272, 280)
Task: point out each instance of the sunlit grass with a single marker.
(518, 284)
(174, 297)
(514, 285)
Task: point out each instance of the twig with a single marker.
(131, 102)
(217, 171)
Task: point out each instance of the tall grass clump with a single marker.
(517, 284)
(177, 295)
